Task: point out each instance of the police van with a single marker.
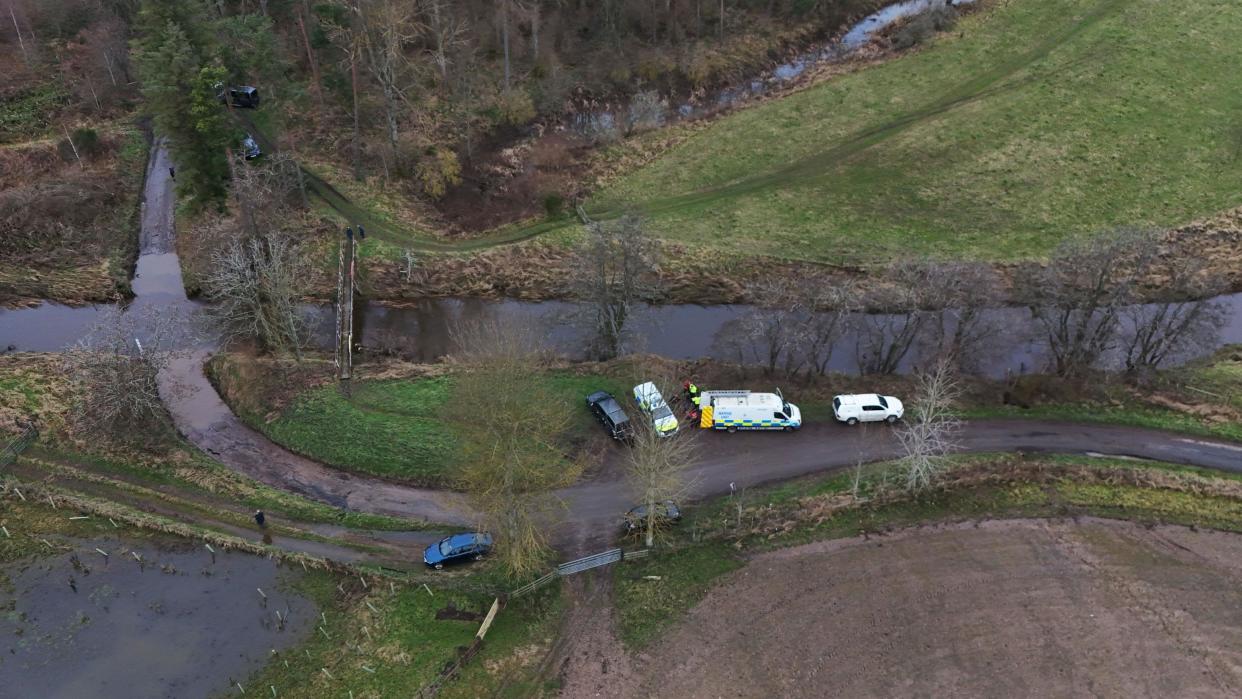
(747, 410)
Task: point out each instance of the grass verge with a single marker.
(386, 641)
(393, 428)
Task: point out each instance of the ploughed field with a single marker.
(1029, 122)
(998, 608)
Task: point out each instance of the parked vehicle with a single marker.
(747, 410)
(648, 398)
(666, 512)
(867, 407)
(250, 148)
(241, 96)
(610, 414)
(457, 548)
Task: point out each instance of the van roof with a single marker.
(750, 400)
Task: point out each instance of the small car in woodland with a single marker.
(609, 413)
(241, 96)
(458, 548)
(250, 148)
(666, 512)
(867, 407)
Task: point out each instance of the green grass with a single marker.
(1214, 381)
(395, 429)
(403, 643)
(709, 544)
(1126, 414)
(1032, 121)
(647, 606)
(29, 113)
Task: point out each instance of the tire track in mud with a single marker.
(987, 84)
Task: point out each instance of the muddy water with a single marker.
(179, 625)
(424, 331)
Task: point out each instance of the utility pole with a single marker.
(345, 287)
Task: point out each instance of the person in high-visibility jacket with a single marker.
(692, 392)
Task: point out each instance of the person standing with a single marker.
(260, 519)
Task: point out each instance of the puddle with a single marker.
(178, 626)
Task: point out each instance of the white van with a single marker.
(649, 399)
(867, 407)
(746, 410)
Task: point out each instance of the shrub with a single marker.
(646, 112)
(437, 171)
(88, 143)
(514, 107)
(923, 26)
(553, 204)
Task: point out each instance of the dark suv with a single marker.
(666, 512)
(609, 413)
(242, 96)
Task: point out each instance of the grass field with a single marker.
(1033, 120)
(394, 428)
(386, 642)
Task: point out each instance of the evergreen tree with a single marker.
(175, 59)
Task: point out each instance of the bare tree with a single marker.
(830, 307)
(448, 32)
(655, 463)
(772, 332)
(882, 340)
(952, 296)
(1188, 323)
(928, 437)
(254, 285)
(511, 423)
(1079, 296)
(617, 263)
(114, 371)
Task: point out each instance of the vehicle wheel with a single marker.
(852, 421)
(891, 419)
(787, 428)
(731, 430)
(439, 566)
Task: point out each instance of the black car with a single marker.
(666, 512)
(609, 413)
(242, 96)
(457, 549)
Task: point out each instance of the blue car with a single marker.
(457, 548)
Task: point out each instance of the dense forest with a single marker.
(413, 91)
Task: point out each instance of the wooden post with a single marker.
(487, 622)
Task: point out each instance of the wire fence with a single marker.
(17, 445)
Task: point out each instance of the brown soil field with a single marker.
(999, 608)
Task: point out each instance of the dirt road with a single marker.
(1009, 608)
(738, 460)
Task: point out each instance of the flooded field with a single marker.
(179, 623)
